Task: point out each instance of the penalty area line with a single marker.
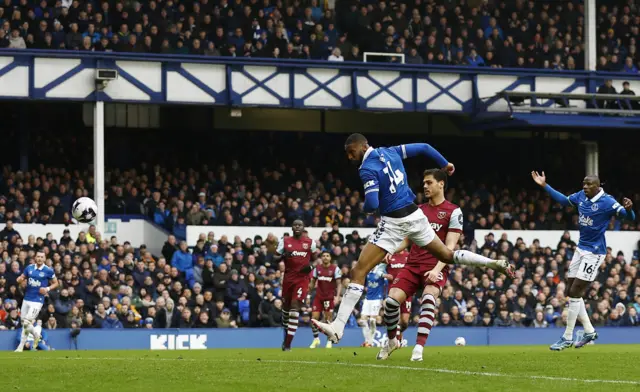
(347, 364)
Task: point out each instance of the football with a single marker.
(460, 341)
(84, 210)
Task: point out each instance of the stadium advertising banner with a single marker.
(202, 339)
(193, 232)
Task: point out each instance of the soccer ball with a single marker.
(84, 210)
(460, 341)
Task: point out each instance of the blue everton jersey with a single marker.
(594, 217)
(36, 279)
(382, 171)
(376, 282)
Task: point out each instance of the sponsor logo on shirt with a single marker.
(585, 220)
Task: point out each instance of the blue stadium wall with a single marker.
(194, 339)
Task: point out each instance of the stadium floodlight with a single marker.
(372, 56)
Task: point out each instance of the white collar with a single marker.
(366, 154)
(598, 196)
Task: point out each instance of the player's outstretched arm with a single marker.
(424, 149)
(541, 180)
(625, 210)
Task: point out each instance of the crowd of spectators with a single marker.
(229, 283)
(518, 33)
(230, 195)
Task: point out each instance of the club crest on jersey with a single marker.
(442, 214)
(305, 246)
(42, 274)
(594, 207)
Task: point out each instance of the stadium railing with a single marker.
(297, 84)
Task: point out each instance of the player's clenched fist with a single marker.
(450, 169)
(627, 203)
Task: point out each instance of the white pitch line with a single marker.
(349, 364)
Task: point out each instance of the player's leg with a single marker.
(370, 256)
(403, 287)
(328, 317)
(286, 305)
(364, 321)
(422, 234)
(27, 324)
(427, 315)
(315, 315)
(582, 271)
(373, 324)
(405, 315)
(292, 325)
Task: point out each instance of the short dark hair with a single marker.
(355, 138)
(325, 251)
(438, 174)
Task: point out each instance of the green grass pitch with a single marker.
(522, 368)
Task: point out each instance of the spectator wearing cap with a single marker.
(225, 321)
(112, 321)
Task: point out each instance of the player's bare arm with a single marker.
(451, 241)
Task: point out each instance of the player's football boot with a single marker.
(18, 350)
(365, 344)
(390, 346)
(36, 340)
(561, 344)
(505, 267)
(586, 338)
(315, 343)
(328, 330)
(416, 354)
(285, 348)
(329, 344)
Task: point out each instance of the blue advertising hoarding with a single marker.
(200, 339)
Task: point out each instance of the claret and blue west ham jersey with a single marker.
(382, 171)
(376, 282)
(594, 217)
(36, 279)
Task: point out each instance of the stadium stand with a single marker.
(520, 34)
(228, 283)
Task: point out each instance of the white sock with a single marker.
(29, 328)
(372, 329)
(583, 316)
(23, 338)
(349, 301)
(365, 331)
(574, 309)
(469, 258)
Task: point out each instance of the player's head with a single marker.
(326, 258)
(297, 227)
(591, 186)
(40, 257)
(434, 182)
(355, 147)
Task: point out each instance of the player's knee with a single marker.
(391, 304)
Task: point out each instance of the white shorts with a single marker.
(30, 310)
(584, 265)
(392, 231)
(371, 307)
